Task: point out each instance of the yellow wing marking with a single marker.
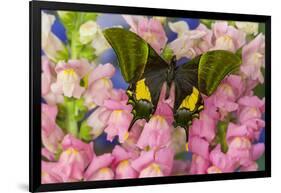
(142, 91)
(190, 101)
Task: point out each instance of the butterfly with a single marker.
(146, 71)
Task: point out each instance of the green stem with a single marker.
(71, 123)
(74, 45)
(75, 37)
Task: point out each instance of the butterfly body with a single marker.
(147, 72)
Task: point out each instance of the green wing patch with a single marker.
(213, 67)
(131, 50)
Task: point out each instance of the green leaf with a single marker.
(131, 50)
(259, 90)
(221, 135)
(262, 28)
(87, 16)
(181, 156)
(261, 163)
(85, 132)
(214, 66)
(87, 52)
(70, 113)
(207, 22)
(231, 23)
(250, 37)
(62, 55)
(58, 153)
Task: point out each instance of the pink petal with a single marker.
(102, 71)
(257, 150)
(144, 160)
(199, 146)
(165, 157)
(98, 163)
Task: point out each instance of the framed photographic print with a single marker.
(123, 96)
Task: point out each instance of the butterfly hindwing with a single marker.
(188, 100)
(186, 78)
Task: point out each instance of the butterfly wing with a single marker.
(188, 101)
(141, 67)
(203, 74)
(185, 79)
(131, 50)
(213, 67)
(155, 74)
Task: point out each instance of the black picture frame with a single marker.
(35, 8)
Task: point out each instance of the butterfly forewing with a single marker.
(141, 67)
(155, 74)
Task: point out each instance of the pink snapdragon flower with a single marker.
(99, 168)
(165, 105)
(99, 85)
(226, 95)
(120, 117)
(68, 78)
(190, 43)
(253, 59)
(98, 121)
(130, 143)
(210, 108)
(154, 163)
(235, 130)
(156, 133)
(151, 30)
(250, 114)
(47, 154)
(123, 163)
(47, 79)
(227, 37)
(243, 152)
(113, 117)
(202, 133)
(74, 159)
(204, 127)
(52, 135)
(251, 107)
(46, 76)
(199, 165)
(221, 162)
(48, 174)
(199, 146)
(118, 124)
(51, 44)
